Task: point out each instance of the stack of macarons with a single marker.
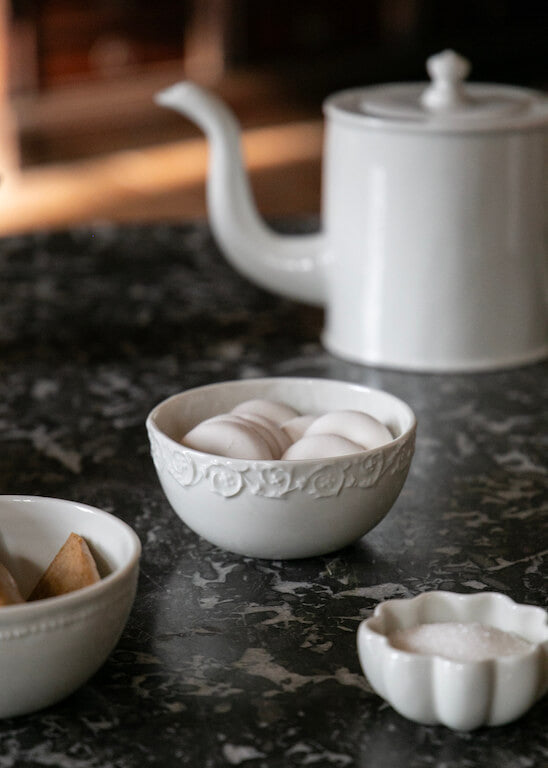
(266, 429)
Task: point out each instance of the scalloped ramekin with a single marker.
(48, 648)
(465, 695)
(280, 509)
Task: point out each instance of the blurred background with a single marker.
(81, 139)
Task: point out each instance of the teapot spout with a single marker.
(291, 265)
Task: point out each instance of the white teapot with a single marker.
(431, 254)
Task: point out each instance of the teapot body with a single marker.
(435, 254)
(432, 254)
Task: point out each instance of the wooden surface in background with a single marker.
(165, 182)
(80, 138)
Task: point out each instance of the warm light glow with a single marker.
(81, 192)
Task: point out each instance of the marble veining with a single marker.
(228, 660)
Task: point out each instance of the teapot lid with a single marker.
(446, 104)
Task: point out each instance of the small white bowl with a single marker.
(462, 695)
(280, 509)
(48, 648)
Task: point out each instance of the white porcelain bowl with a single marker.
(280, 509)
(462, 695)
(48, 648)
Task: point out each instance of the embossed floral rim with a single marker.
(276, 480)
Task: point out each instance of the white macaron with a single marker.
(232, 438)
(276, 437)
(270, 409)
(297, 426)
(359, 427)
(321, 447)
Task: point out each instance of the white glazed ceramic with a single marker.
(280, 509)
(432, 254)
(48, 648)
(461, 695)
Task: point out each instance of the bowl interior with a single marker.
(33, 529)
(175, 416)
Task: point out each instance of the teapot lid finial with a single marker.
(447, 104)
(446, 92)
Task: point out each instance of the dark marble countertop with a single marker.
(228, 660)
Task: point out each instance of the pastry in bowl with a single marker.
(281, 508)
(52, 645)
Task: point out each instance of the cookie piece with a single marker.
(72, 568)
(9, 591)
